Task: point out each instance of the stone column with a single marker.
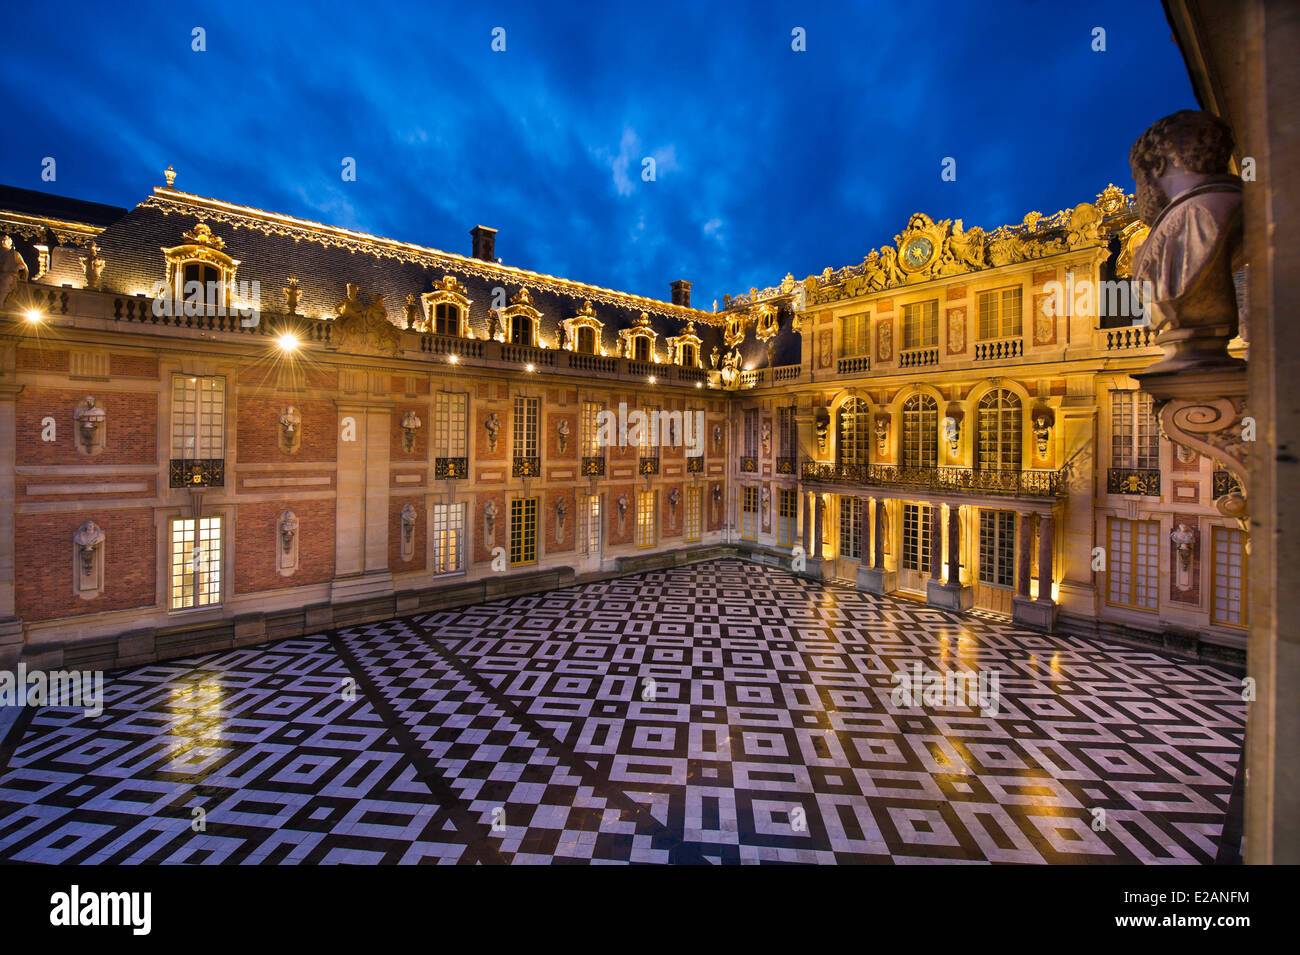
(949, 595)
(1046, 540)
(954, 544)
(1024, 547)
(805, 509)
(879, 555)
(864, 548)
(818, 526)
(936, 541)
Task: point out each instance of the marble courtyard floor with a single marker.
(526, 730)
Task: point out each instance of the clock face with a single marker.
(918, 252)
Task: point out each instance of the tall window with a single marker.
(591, 512)
(921, 324)
(1001, 313)
(591, 447)
(448, 538)
(855, 335)
(523, 530)
(690, 358)
(749, 432)
(450, 437)
(645, 518)
(787, 510)
(1133, 564)
(920, 432)
(446, 319)
(522, 330)
(641, 348)
(656, 430)
(855, 432)
(850, 527)
(749, 514)
(1134, 432)
(786, 434)
(916, 536)
(195, 562)
(693, 527)
(1227, 601)
(525, 427)
(997, 548)
(198, 417)
(586, 340)
(1000, 432)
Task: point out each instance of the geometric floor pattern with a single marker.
(714, 713)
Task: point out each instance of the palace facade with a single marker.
(230, 425)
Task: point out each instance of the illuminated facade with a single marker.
(230, 426)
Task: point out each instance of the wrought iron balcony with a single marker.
(593, 466)
(647, 466)
(749, 464)
(1143, 481)
(785, 465)
(695, 464)
(1007, 481)
(1225, 482)
(527, 467)
(450, 468)
(197, 472)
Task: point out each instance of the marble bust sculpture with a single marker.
(1183, 270)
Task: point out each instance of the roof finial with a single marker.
(170, 173)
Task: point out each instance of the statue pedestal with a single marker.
(877, 581)
(813, 568)
(949, 596)
(1037, 614)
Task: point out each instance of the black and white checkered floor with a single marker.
(714, 713)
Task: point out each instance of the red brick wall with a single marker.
(43, 562)
(256, 536)
(131, 429)
(258, 421)
(42, 359)
(551, 439)
(133, 366)
(629, 517)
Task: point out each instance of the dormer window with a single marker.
(685, 348)
(200, 277)
(446, 308)
(582, 331)
(638, 342)
(521, 320)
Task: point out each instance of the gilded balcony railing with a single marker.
(593, 466)
(785, 465)
(527, 467)
(972, 480)
(647, 466)
(196, 472)
(1225, 482)
(445, 469)
(749, 464)
(695, 464)
(1141, 481)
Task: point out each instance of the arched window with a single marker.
(202, 284)
(446, 319)
(587, 340)
(855, 433)
(688, 356)
(521, 330)
(641, 348)
(920, 432)
(1001, 435)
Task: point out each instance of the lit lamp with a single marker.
(32, 315)
(288, 342)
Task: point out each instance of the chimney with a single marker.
(485, 243)
(682, 293)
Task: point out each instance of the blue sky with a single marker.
(768, 160)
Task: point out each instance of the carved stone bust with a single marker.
(1192, 205)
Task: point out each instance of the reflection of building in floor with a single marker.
(717, 713)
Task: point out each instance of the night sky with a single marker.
(768, 160)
